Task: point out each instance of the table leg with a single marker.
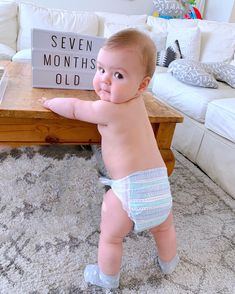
(164, 134)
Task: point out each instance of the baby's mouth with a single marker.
(105, 90)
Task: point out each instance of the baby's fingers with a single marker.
(43, 101)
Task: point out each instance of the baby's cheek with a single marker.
(95, 80)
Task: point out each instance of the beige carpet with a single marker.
(49, 223)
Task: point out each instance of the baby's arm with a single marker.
(73, 108)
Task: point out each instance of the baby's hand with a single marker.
(44, 101)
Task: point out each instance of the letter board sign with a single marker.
(64, 60)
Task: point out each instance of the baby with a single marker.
(140, 194)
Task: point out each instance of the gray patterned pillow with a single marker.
(223, 72)
(192, 73)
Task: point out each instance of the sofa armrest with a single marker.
(6, 52)
(23, 56)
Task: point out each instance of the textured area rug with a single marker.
(50, 201)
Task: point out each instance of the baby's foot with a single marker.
(93, 275)
(167, 267)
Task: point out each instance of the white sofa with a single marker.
(207, 136)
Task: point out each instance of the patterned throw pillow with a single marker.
(165, 57)
(223, 72)
(192, 73)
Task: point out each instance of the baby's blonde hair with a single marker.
(131, 38)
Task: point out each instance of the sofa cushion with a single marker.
(159, 39)
(112, 28)
(188, 99)
(216, 157)
(32, 16)
(192, 133)
(189, 40)
(222, 72)
(188, 34)
(116, 18)
(192, 73)
(217, 35)
(158, 24)
(8, 24)
(220, 118)
(6, 52)
(22, 56)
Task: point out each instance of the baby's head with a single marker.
(125, 65)
(140, 42)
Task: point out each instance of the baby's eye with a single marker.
(101, 70)
(118, 75)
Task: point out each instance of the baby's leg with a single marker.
(115, 225)
(165, 238)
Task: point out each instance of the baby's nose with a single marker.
(106, 79)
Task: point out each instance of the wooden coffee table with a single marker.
(23, 121)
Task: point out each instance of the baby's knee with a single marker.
(110, 238)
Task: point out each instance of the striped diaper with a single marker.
(145, 195)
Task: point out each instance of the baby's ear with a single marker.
(144, 84)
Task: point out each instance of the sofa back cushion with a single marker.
(119, 19)
(218, 41)
(32, 16)
(159, 31)
(8, 24)
(112, 28)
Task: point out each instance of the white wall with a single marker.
(220, 10)
(117, 6)
(232, 17)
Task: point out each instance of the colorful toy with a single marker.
(193, 13)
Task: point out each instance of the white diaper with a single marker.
(145, 195)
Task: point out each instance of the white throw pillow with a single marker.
(6, 52)
(112, 28)
(106, 17)
(157, 24)
(218, 41)
(158, 39)
(158, 31)
(189, 40)
(8, 23)
(181, 23)
(32, 16)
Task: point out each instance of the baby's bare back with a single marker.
(128, 142)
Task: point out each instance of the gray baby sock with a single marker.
(167, 267)
(93, 275)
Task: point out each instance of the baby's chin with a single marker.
(104, 95)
